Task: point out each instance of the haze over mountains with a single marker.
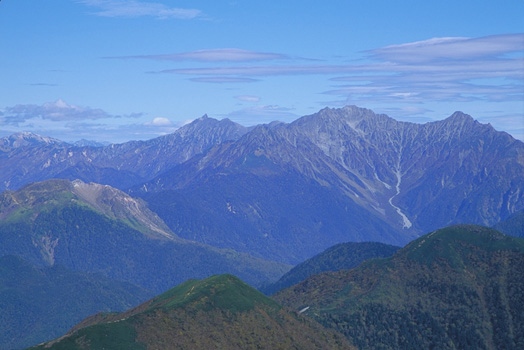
(341, 174)
(215, 197)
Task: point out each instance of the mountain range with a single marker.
(287, 191)
(341, 175)
(27, 157)
(216, 197)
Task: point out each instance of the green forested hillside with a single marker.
(39, 304)
(52, 225)
(112, 237)
(339, 257)
(220, 312)
(460, 287)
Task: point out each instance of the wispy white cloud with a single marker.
(104, 132)
(438, 68)
(134, 8)
(71, 123)
(262, 114)
(58, 111)
(267, 70)
(450, 49)
(214, 55)
(223, 80)
(248, 98)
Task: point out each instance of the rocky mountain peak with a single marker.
(25, 139)
(120, 205)
(210, 126)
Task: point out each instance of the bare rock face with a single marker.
(431, 175)
(119, 205)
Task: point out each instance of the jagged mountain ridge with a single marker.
(366, 169)
(414, 177)
(27, 157)
(390, 164)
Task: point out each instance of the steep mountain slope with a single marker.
(220, 312)
(40, 304)
(341, 175)
(94, 228)
(278, 215)
(456, 288)
(342, 256)
(30, 158)
(423, 176)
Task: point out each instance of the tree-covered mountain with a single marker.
(40, 304)
(342, 256)
(220, 312)
(95, 228)
(459, 287)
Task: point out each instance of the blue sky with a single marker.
(116, 70)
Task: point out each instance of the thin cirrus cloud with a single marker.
(450, 49)
(439, 55)
(223, 80)
(70, 123)
(455, 69)
(248, 98)
(214, 55)
(133, 9)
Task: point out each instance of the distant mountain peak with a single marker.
(26, 138)
(460, 117)
(213, 128)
